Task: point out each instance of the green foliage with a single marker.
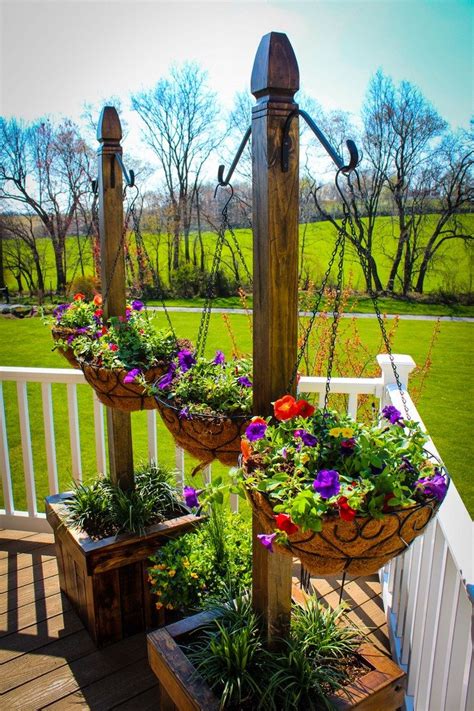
(210, 387)
(203, 563)
(189, 281)
(86, 285)
(328, 464)
(101, 509)
(298, 677)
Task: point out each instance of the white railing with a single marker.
(425, 591)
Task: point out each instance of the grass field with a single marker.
(451, 272)
(444, 404)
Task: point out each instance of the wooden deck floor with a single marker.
(47, 659)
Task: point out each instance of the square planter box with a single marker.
(106, 581)
(182, 689)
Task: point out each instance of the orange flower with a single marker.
(285, 408)
(97, 300)
(304, 408)
(259, 420)
(79, 296)
(246, 449)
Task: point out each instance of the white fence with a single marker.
(425, 591)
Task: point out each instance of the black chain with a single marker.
(336, 315)
(366, 270)
(155, 275)
(315, 311)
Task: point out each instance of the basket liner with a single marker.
(113, 392)
(60, 333)
(205, 437)
(359, 547)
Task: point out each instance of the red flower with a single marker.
(113, 347)
(246, 449)
(97, 300)
(284, 523)
(103, 330)
(386, 507)
(98, 313)
(285, 408)
(79, 296)
(304, 409)
(345, 511)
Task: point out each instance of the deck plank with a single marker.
(48, 659)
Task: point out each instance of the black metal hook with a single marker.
(285, 146)
(129, 176)
(220, 173)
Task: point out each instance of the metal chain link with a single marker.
(315, 311)
(206, 313)
(155, 275)
(373, 296)
(336, 315)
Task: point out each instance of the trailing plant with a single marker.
(313, 463)
(201, 386)
(200, 565)
(102, 509)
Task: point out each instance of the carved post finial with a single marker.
(275, 71)
(108, 127)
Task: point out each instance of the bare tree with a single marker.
(25, 229)
(180, 115)
(44, 172)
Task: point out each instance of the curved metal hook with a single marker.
(128, 175)
(285, 146)
(227, 185)
(223, 182)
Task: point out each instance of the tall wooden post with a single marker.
(109, 134)
(275, 79)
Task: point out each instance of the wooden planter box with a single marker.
(182, 689)
(106, 581)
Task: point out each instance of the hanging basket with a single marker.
(206, 437)
(60, 333)
(358, 547)
(112, 391)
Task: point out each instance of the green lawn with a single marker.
(444, 404)
(451, 272)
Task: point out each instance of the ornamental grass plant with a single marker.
(102, 509)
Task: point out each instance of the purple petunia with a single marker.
(184, 413)
(308, 439)
(266, 539)
(244, 381)
(131, 375)
(434, 486)
(186, 359)
(190, 497)
(219, 358)
(256, 430)
(167, 379)
(70, 339)
(59, 310)
(327, 483)
(391, 413)
(137, 305)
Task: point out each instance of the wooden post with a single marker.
(109, 134)
(275, 79)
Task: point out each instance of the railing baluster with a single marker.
(352, 405)
(26, 448)
(404, 585)
(99, 434)
(207, 474)
(5, 459)
(50, 440)
(461, 658)
(431, 627)
(407, 632)
(321, 399)
(444, 638)
(152, 441)
(179, 462)
(74, 432)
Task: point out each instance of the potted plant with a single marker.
(217, 660)
(71, 320)
(202, 564)
(125, 357)
(104, 536)
(206, 404)
(338, 494)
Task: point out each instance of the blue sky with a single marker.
(57, 54)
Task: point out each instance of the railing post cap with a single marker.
(275, 69)
(400, 360)
(109, 128)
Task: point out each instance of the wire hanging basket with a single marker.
(60, 335)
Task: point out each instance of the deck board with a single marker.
(49, 661)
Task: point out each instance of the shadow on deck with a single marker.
(48, 659)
